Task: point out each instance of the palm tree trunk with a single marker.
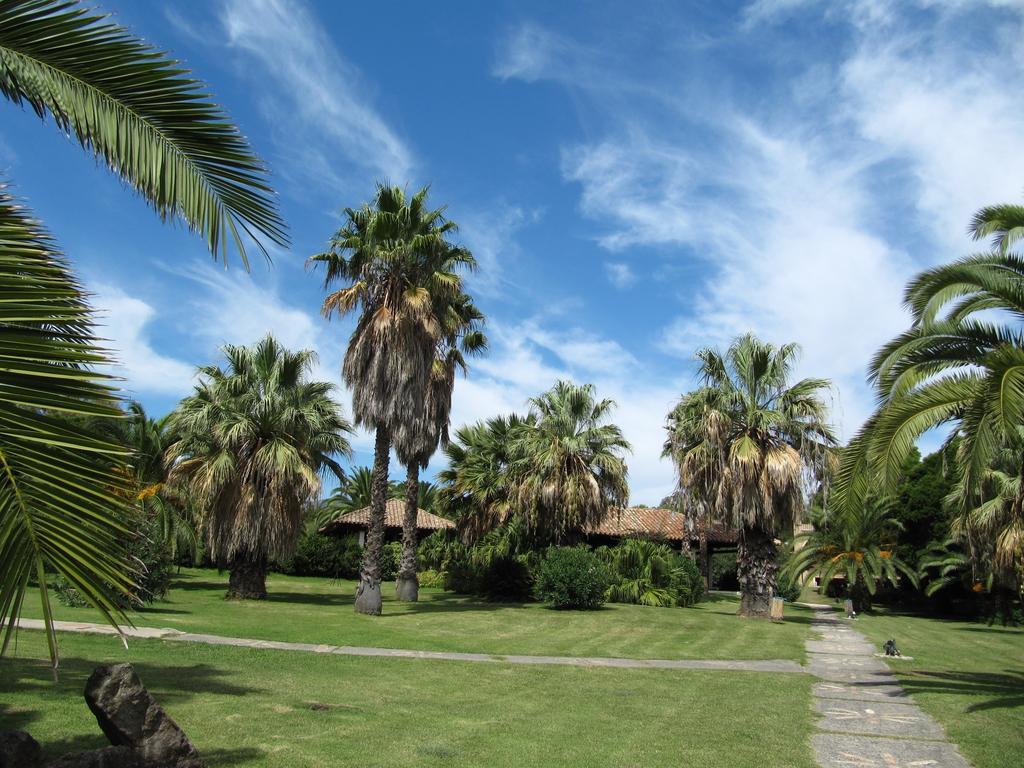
(247, 579)
(368, 599)
(702, 548)
(407, 586)
(756, 571)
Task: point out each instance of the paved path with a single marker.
(867, 719)
(154, 633)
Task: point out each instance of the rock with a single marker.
(18, 750)
(130, 717)
(108, 757)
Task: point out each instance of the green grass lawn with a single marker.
(968, 676)
(253, 708)
(320, 611)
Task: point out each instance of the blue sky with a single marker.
(637, 181)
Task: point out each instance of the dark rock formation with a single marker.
(18, 750)
(130, 717)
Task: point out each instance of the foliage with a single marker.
(959, 365)
(558, 469)
(151, 122)
(142, 114)
(62, 487)
(254, 439)
(319, 555)
(573, 578)
(745, 443)
(353, 493)
(858, 545)
(650, 573)
(153, 563)
(431, 579)
(919, 504)
(390, 556)
(723, 571)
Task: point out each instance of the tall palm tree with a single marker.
(461, 321)
(152, 123)
(743, 441)
(256, 437)
(960, 365)
(396, 262)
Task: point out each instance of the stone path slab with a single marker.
(882, 718)
(867, 719)
(881, 691)
(736, 665)
(845, 751)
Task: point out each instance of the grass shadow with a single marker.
(1002, 691)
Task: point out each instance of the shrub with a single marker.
(431, 579)
(389, 559)
(687, 582)
(505, 579)
(319, 555)
(788, 589)
(650, 573)
(571, 577)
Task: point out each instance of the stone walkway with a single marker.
(154, 633)
(867, 719)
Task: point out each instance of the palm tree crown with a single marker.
(744, 443)
(255, 438)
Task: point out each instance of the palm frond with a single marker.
(143, 115)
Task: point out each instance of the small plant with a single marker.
(571, 577)
(650, 573)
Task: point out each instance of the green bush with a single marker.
(650, 573)
(687, 582)
(571, 577)
(389, 559)
(319, 555)
(505, 579)
(788, 589)
(431, 579)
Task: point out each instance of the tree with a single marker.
(461, 321)
(397, 266)
(256, 437)
(959, 366)
(743, 444)
(859, 546)
(477, 483)
(151, 123)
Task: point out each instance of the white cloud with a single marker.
(490, 235)
(620, 274)
(320, 105)
(527, 358)
(531, 53)
(123, 320)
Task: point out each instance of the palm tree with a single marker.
(477, 485)
(960, 365)
(461, 321)
(256, 437)
(567, 469)
(860, 546)
(152, 123)
(398, 266)
(743, 442)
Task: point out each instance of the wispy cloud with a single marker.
(124, 322)
(321, 104)
(620, 274)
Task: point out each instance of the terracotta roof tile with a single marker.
(655, 522)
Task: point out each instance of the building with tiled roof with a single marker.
(359, 521)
